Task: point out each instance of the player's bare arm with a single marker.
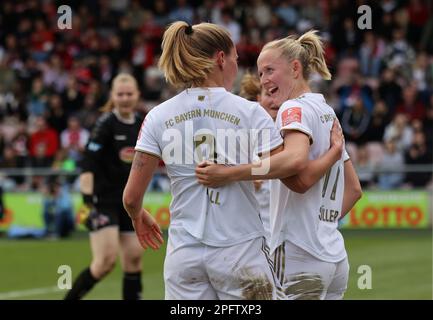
(213, 175)
(352, 188)
(291, 160)
(148, 232)
(315, 169)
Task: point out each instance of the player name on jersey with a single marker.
(328, 215)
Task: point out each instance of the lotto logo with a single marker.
(291, 115)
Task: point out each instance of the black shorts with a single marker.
(110, 215)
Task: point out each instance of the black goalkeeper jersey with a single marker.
(109, 154)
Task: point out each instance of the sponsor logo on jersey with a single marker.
(127, 154)
(291, 115)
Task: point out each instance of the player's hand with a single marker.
(211, 175)
(337, 139)
(148, 231)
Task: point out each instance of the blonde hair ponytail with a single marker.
(307, 49)
(313, 46)
(187, 52)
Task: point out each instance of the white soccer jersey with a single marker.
(310, 220)
(263, 197)
(209, 123)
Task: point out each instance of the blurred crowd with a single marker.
(53, 81)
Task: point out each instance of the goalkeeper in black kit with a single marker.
(106, 166)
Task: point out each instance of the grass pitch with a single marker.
(400, 262)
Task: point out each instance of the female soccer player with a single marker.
(216, 247)
(310, 258)
(106, 166)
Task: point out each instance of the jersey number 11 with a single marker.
(325, 184)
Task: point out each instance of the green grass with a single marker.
(400, 261)
(401, 264)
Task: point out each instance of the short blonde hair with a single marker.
(308, 49)
(187, 52)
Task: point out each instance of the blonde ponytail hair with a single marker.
(120, 78)
(308, 49)
(187, 52)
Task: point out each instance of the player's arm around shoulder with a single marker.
(279, 161)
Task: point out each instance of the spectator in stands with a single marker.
(371, 53)
(72, 99)
(355, 89)
(42, 41)
(400, 132)
(423, 73)
(182, 11)
(391, 167)
(58, 210)
(427, 35)
(411, 105)
(73, 139)
(43, 144)
(389, 90)
(399, 53)
(287, 13)
(380, 118)
(8, 157)
(54, 74)
(364, 167)
(418, 155)
(37, 105)
(355, 121)
(418, 14)
(36, 58)
(20, 143)
(228, 22)
(56, 115)
(88, 113)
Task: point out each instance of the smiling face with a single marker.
(276, 75)
(125, 97)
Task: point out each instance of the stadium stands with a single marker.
(58, 74)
